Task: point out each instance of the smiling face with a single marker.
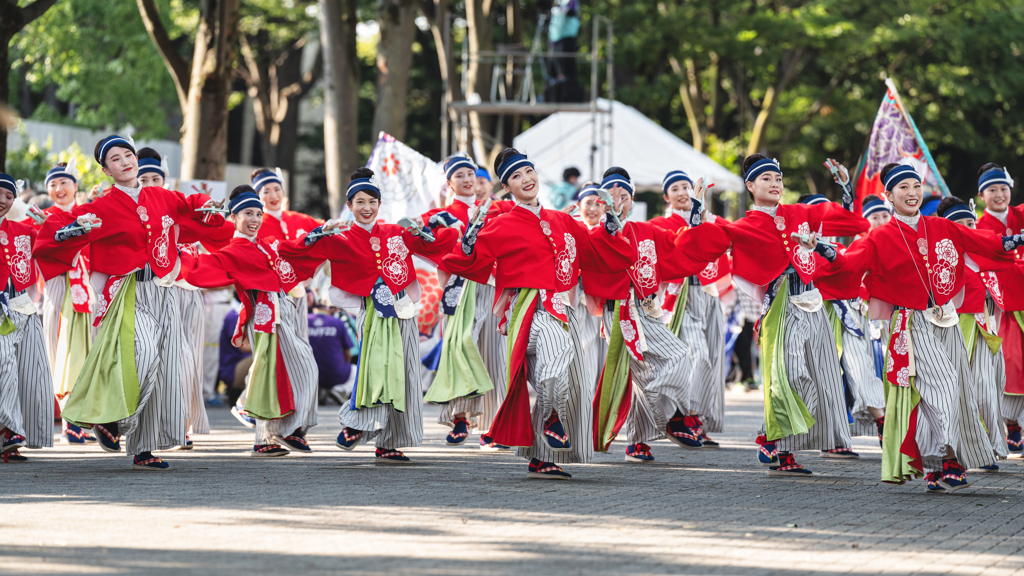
(879, 218)
(272, 196)
(6, 201)
(767, 189)
(996, 197)
(122, 165)
(62, 190)
(152, 179)
(483, 188)
(906, 197)
(522, 184)
(622, 197)
(591, 210)
(248, 221)
(364, 207)
(463, 182)
(678, 195)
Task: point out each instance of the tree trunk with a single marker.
(341, 96)
(436, 12)
(394, 60)
(478, 74)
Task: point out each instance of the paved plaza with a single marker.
(462, 511)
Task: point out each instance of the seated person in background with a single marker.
(331, 344)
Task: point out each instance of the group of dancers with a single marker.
(912, 333)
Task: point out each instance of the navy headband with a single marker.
(899, 174)
(873, 207)
(8, 183)
(588, 190)
(264, 178)
(111, 142)
(61, 172)
(244, 200)
(760, 167)
(930, 205)
(363, 185)
(960, 211)
(456, 162)
(151, 166)
(617, 180)
(994, 176)
(673, 177)
(815, 199)
(510, 165)
(483, 173)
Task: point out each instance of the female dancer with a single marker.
(372, 268)
(278, 222)
(281, 387)
(539, 254)
(595, 347)
(917, 268)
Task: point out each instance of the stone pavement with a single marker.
(461, 511)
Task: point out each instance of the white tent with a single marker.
(639, 145)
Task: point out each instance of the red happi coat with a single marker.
(291, 225)
(132, 235)
(50, 268)
(903, 276)
(17, 266)
(1011, 280)
(713, 271)
(359, 257)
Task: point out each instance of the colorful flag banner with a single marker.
(410, 183)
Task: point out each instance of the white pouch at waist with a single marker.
(23, 305)
(942, 316)
(809, 301)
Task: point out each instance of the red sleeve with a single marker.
(206, 271)
(189, 204)
(600, 251)
(444, 240)
(478, 265)
(985, 248)
(219, 237)
(834, 220)
(859, 258)
(306, 260)
(65, 252)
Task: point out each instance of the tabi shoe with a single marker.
(787, 466)
(990, 469)
(1013, 440)
(767, 453)
(487, 444)
(880, 423)
(73, 435)
(267, 451)
(348, 438)
(933, 483)
(639, 453)
(459, 433)
(681, 431)
(14, 457)
(188, 445)
(146, 461)
(954, 477)
(297, 443)
(109, 440)
(245, 419)
(555, 434)
(708, 442)
(546, 471)
(840, 453)
(13, 442)
(390, 457)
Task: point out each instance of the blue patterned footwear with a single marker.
(14, 457)
(146, 461)
(681, 431)
(840, 453)
(787, 466)
(954, 477)
(990, 469)
(267, 451)
(391, 457)
(708, 442)
(74, 435)
(768, 453)
(555, 434)
(348, 438)
(1013, 439)
(933, 483)
(459, 433)
(546, 471)
(109, 439)
(296, 443)
(188, 445)
(639, 453)
(241, 416)
(13, 442)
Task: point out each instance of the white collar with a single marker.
(367, 227)
(246, 236)
(684, 214)
(275, 213)
(908, 220)
(769, 210)
(469, 200)
(534, 209)
(133, 193)
(70, 206)
(1001, 216)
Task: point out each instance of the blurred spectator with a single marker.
(562, 32)
(484, 187)
(81, 198)
(217, 304)
(234, 362)
(42, 201)
(561, 195)
(749, 310)
(329, 338)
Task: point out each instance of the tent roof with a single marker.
(639, 145)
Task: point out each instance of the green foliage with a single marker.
(32, 161)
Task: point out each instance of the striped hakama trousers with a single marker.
(703, 333)
(302, 372)
(661, 382)
(555, 368)
(865, 386)
(1013, 407)
(391, 428)
(812, 367)
(989, 373)
(26, 385)
(53, 301)
(947, 414)
(595, 348)
(491, 344)
(192, 323)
